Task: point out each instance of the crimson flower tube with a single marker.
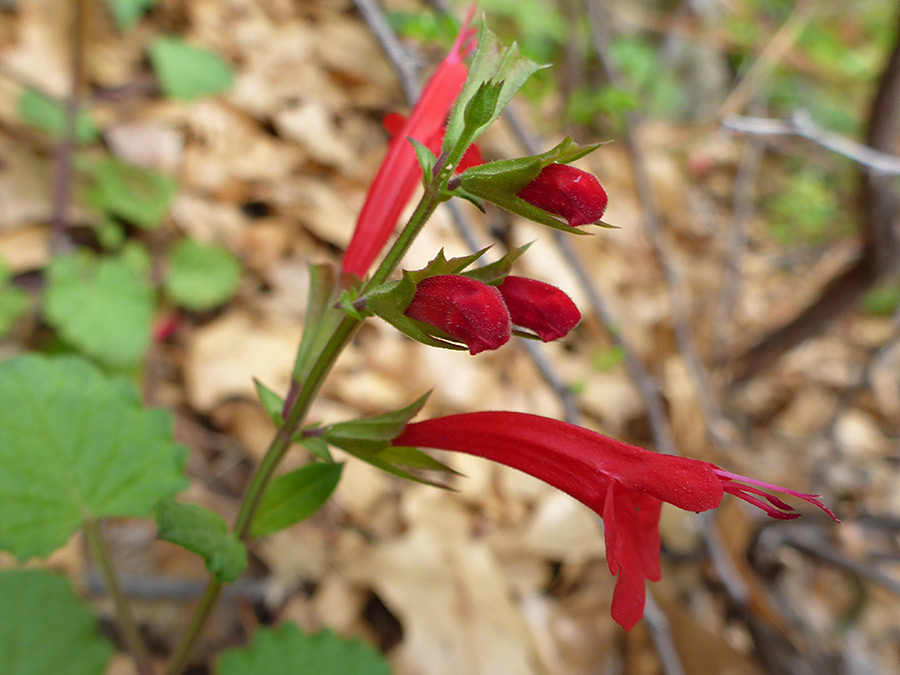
(399, 172)
(624, 484)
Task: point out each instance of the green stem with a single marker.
(127, 625)
(283, 438)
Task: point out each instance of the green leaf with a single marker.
(315, 445)
(75, 444)
(13, 301)
(496, 272)
(440, 265)
(414, 459)
(504, 71)
(135, 194)
(372, 434)
(46, 628)
(49, 115)
(321, 319)
(426, 159)
(103, 307)
(295, 496)
(203, 532)
(272, 403)
(128, 12)
(882, 300)
(287, 651)
(187, 72)
(201, 277)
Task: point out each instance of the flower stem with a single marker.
(127, 625)
(298, 408)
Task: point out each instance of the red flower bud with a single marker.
(568, 192)
(464, 308)
(539, 307)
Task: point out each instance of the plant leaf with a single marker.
(295, 496)
(128, 12)
(372, 434)
(133, 193)
(49, 115)
(187, 72)
(201, 277)
(203, 532)
(272, 403)
(46, 628)
(76, 444)
(287, 651)
(103, 307)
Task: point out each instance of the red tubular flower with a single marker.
(539, 307)
(567, 192)
(466, 309)
(399, 173)
(622, 483)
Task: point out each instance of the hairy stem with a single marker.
(125, 620)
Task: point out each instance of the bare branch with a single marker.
(802, 125)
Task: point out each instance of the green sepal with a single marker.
(371, 434)
(319, 323)
(495, 75)
(426, 159)
(379, 462)
(203, 532)
(295, 496)
(272, 403)
(440, 265)
(496, 272)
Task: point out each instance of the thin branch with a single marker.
(64, 171)
(130, 634)
(743, 204)
(880, 250)
(653, 222)
(405, 65)
(661, 635)
(802, 125)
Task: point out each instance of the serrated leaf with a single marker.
(295, 496)
(287, 651)
(203, 532)
(201, 277)
(187, 72)
(49, 115)
(128, 12)
(133, 193)
(46, 628)
(76, 444)
(372, 434)
(103, 307)
(496, 272)
(272, 403)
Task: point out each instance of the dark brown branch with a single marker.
(879, 252)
